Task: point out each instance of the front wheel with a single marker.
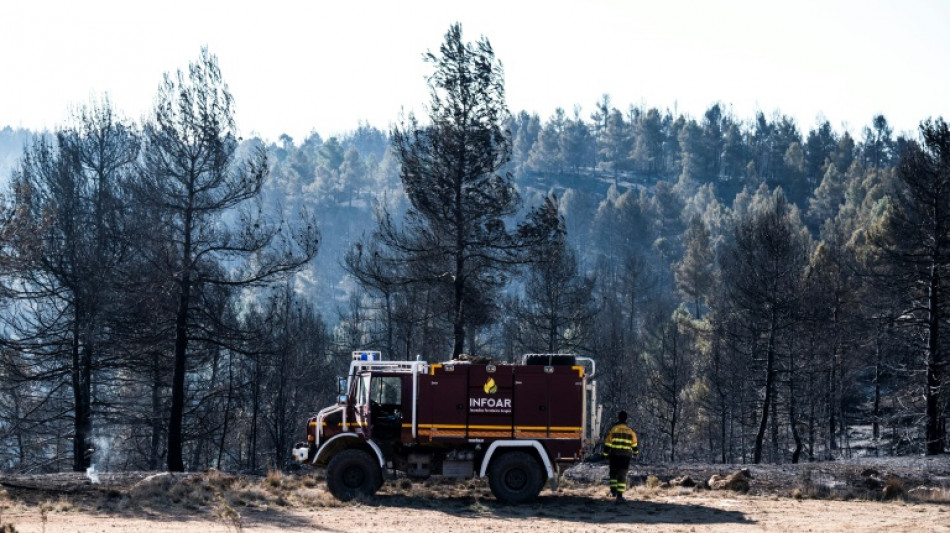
(515, 477)
(353, 474)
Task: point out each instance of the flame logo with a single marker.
(490, 387)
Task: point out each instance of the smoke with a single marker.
(101, 458)
(92, 475)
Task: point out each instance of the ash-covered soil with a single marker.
(863, 478)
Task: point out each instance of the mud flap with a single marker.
(554, 481)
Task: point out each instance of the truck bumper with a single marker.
(301, 452)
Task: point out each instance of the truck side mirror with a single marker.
(341, 390)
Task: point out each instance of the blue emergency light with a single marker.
(366, 356)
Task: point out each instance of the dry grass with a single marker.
(230, 516)
(226, 496)
(5, 528)
(929, 494)
(276, 478)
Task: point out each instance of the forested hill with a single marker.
(639, 176)
(753, 291)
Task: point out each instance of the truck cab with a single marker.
(517, 424)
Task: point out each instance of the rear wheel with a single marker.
(515, 477)
(353, 474)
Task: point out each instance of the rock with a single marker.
(164, 479)
(893, 488)
(683, 481)
(873, 483)
(737, 481)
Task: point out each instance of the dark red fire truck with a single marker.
(518, 424)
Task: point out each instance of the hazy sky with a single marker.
(298, 66)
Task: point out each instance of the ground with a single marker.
(796, 499)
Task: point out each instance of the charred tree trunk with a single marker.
(227, 412)
(175, 444)
(154, 458)
(832, 403)
(674, 391)
(775, 456)
(255, 413)
(876, 413)
(458, 291)
(722, 435)
(82, 409)
(769, 386)
(934, 433)
(793, 416)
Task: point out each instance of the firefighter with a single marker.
(619, 447)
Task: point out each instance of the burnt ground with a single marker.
(861, 478)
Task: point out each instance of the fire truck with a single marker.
(519, 425)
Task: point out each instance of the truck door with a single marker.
(361, 407)
(447, 403)
(385, 406)
(531, 402)
(548, 403)
(566, 407)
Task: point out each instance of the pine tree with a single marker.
(913, 243)
(191, 179)
(77, 204)
(695, 273)
(762, 268)
(456, 235)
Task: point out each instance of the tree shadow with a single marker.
(569, 508)
(249, 517)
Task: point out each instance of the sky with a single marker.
(295, 67)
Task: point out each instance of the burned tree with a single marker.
(913, 245)
(72, 189)
(456, 236)
(558, 308)
(762, 268)
(214, 237)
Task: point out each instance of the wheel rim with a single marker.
(353, 477)
(516, 479)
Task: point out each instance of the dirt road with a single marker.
(573, 510)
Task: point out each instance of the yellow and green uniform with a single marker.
(619, 446)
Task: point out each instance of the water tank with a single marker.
(546, 359)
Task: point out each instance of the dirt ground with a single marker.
(567, 512)
(780, 499)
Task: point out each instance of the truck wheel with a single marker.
(515, 477)
(353, 474)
